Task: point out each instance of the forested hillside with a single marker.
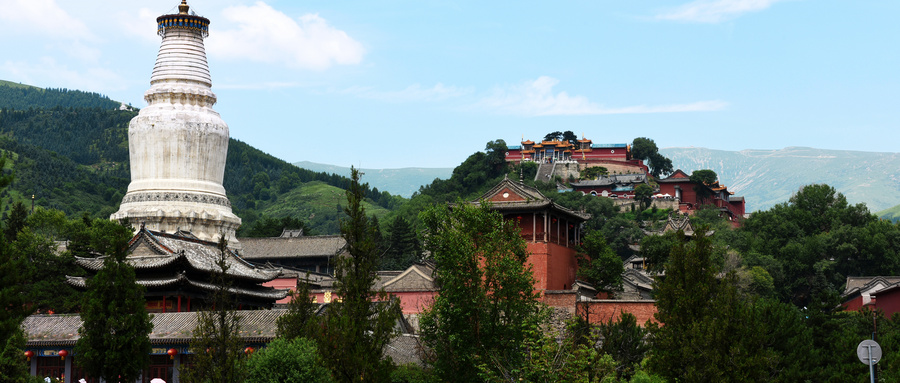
(23, 97)
(70, 150)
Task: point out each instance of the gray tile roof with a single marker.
(168, 328)
(618, 179)
(293, 247)
(149, 249)
(534, 200)
(418, 277)
(855, 284)
(181, 280)
(405, 349)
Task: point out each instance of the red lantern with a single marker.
(249, 351)
(29, 354)
(63, 354)
(172, 352)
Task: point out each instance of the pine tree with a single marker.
(217, 345)
(114, 342)
(403, 246)
(359, 324)
(300, 321)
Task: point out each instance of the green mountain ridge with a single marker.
(768, 177)
(403, 182)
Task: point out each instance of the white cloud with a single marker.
(412, 93)
(536, 98)
(715, 11)
(47, 72)
(42, 17)
(141, 24)
(267, 35)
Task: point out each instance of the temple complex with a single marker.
(178, 143)
(176, 270)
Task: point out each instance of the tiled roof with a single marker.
(181, 279)
(404, 349)
(855, 284)
(295, 247)
(203, 255)
(534, 199)
(418, 277)
(149, 250)
(623, 179)
(168, 328)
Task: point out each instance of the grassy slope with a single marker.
(319, 204)
(15, 84)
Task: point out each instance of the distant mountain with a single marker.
(892, 214)
(403, 182)
(769, 177)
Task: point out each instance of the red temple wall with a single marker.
(553, 265)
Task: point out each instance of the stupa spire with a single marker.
(178, 143)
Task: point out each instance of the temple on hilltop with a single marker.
(564, 159)
(176, 270)
(178, 143)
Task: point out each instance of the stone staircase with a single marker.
(545, 172)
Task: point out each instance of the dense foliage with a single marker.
(284, 360)
(114, 341)
(25, 97)
(487, 308)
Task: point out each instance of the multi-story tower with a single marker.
(178, 143)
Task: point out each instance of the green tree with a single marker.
(359, 325)
(598, 264)
(114, 339)
(403, 246)
(624, 340)
(593, 172)
(643, 148)
(287, 360)
(564, 358)
(703, 179)
(300, 320)
(216, 343)
(644, 194)
(487, 308)
(553, 136)
(18, 217)
(810, 244)
(711, 333)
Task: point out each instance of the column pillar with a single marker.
(68, 370)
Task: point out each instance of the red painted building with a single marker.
(551, 231)
(584, 152)
(680, 186)
(876, 293)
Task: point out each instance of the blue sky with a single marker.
(392, 84)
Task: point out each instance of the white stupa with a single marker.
(178, 143)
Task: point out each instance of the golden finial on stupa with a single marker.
(183, 8)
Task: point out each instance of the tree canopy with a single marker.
(643, 148)
(114, 342)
